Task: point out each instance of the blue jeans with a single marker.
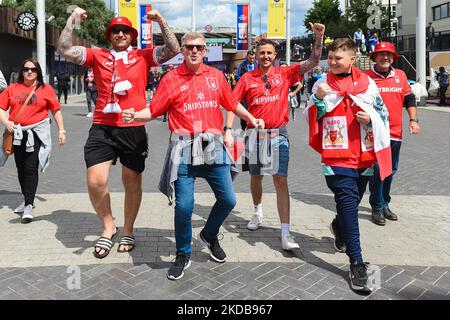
(218, 177)
(348, 192)
(380, 190)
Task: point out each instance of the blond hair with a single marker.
(190, 36)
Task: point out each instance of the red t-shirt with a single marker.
(269, 104)
(102, 63)
(393, 90)
(193, 100)
(43, 100)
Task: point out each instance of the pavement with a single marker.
(51, 258)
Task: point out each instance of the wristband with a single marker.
(62, 131)
(226, 128)
(414, 120)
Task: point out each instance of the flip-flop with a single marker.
(105, 244)
(127, 241)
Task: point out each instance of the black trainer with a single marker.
(378, 218)
(388, 214)
(339, 243)
(359, 281)
(176, 271)
(215, 251)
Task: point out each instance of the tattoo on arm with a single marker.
(71, 53)
(314, 58)
(170, 48)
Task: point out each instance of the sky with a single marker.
(210, 12)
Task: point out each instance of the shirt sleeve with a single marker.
(239, 91)
(4, 99)
(227, 100)
(3, 84)
(161, 100)
(293, 74)
(52, 100)
(88, 59)
(149, 56)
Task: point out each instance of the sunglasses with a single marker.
(123, 30)
(25, 69)
(266, 81)
(199, 47)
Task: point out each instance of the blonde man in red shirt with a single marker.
(192, 94)
(121, 77)
(396, 93)
(265, 91)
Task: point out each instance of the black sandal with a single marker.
(105, 244)
(129, 241)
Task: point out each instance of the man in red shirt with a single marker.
(192, 95)
(265, 91)
(396, 93)
(121, 77)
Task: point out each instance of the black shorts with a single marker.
(106, 143)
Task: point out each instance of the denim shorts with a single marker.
(280, 159)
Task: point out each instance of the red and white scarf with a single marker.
(364, 92)
(119, 83)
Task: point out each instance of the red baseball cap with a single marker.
(384, 47)
(121, 21)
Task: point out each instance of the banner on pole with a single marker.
(276, 19)
(242, 27)
(146, 38)
(129, 9)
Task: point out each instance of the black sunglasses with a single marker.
(199, 47)
(124, 30)
(25, 69)
(266, 80)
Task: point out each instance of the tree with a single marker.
(356, 15)
(326, 12)
(91, 29)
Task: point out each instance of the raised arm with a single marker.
(314, 58)
(72, 53)
(171, 47)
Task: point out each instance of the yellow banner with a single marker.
(276, 19)
(129, 9)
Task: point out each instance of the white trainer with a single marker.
(254, 222)
(89, 115)
(288, 243)
(20, 208)
(27, 216)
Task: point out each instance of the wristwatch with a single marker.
(226, 128)
(414, 120)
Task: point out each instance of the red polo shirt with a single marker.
(193, 100)
(269, 104)
(43, 100)
(393, 90)
(102, 63)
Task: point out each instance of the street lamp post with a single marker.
(288, 32)
(40, 37)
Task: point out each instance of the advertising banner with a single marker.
(242, 27)
(276, 19)
(129, 9)
(146, 38)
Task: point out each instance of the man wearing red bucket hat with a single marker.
(396, 93)
(121, 76)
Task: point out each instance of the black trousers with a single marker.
(62, 90)
(27, 164)
(91, 97)
(442, 98)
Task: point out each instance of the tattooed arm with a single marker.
(314, 58)
(72, 53)
(171, 47)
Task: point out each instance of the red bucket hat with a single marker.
(384, 47)
(121, 21)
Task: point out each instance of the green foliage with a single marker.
(323, 11)
(91, 29)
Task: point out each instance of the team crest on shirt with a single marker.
(397, 79)
(212, 83)
(277, 80)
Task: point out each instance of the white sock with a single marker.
(258, 209)
(284, 229)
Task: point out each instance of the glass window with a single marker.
(399, 23)
(437, 13)
(444, 11)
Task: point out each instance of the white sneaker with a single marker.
(27, 216)
(20, 208)
(89, 115)
(288, 243)
(255, 221)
